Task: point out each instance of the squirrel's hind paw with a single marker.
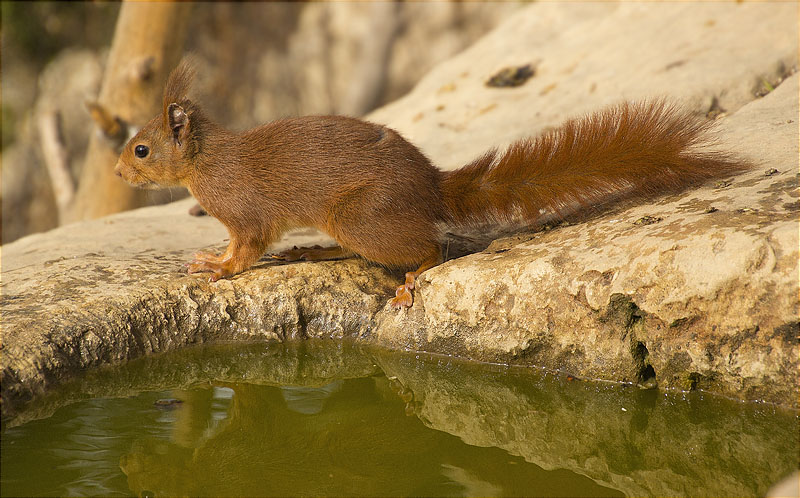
(293, 254)
(315, 253)
(402, 298)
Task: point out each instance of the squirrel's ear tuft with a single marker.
(178, 122)
(178, 83)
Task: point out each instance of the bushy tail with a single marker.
(627, 151)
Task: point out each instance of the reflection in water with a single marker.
(325, 418)
(641, 442)
(347, 437)
(309, 400)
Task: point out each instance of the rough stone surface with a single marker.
(698, 300)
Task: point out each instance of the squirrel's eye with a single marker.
(141, 151)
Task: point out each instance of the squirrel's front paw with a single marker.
(201, 265)
(217, 270)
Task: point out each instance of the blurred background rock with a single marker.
(256, 62)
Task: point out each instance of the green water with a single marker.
(326, 418)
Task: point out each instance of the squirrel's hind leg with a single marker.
(315, 253)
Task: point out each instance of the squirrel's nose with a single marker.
(117, 170)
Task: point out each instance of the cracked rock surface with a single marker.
(701, 295)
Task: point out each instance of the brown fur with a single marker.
(381, 198)
(627, 151)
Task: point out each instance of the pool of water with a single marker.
(330, 418)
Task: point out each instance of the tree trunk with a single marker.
(148, 43)
(371, 71)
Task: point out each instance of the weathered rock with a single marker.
(697, 300)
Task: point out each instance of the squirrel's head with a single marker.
(162, 152)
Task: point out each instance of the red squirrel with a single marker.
(380, 198)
